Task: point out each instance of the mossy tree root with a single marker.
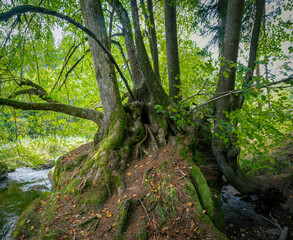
(203, 191)
(205, 218)
(123, 216)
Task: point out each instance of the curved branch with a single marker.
(33, 91)
(84, 113)
(29, 8)
(123, 56)
(36, 90)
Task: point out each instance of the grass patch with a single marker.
(33, 151)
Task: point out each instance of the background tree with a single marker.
(172, 50)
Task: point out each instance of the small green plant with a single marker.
(177, 113)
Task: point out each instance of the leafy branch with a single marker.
(237, 91)
(5, 16)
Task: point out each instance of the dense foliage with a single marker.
(33, 49)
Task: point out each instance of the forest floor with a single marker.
(143, 178)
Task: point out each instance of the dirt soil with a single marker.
(242, 221)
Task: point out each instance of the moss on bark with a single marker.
(203, 190)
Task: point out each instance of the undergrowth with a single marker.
(33, 151)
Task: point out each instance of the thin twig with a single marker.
(111, 24)
(97, 223)
(64, 231)
(199, 92)
(272, 222)
(146, 213)
(85, 221)
(236, 91)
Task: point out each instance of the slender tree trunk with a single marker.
(157, 93)
(260, 4)
(172, 50)
(104, 69)
(226, 153)
(222, 12)
(137, 78)
(153, 39)
(266, 62)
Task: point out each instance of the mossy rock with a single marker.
(30, 220)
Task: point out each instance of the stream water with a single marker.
(16, 192)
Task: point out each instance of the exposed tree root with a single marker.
(123, 216)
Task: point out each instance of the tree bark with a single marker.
(222, 14)
(157, 93)
(172, 50)
(104, 69)
(226, 153)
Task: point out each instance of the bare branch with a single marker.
(85, 113)
(67, 58)
(72, 68)
(239, 91)
(111, 25)
(118, 34)
(33, 91)
(123, 56)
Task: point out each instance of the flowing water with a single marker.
(17, 192)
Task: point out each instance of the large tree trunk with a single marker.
(172, 50)
(227, 153)
(104, 69)
(157, 93)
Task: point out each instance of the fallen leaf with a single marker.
(99, 215)
(128, 174)
(109, 215)
(32, 227)
(190, 204)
